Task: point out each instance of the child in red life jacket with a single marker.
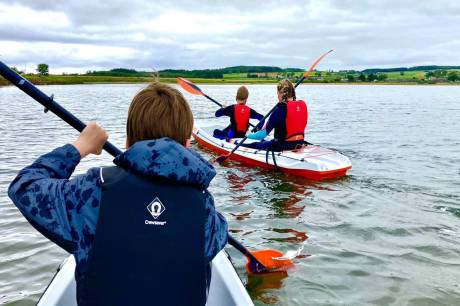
(288, 121)
(239, 114)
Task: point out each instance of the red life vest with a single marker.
(242, 114)
(296, 120)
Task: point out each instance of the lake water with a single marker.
(386, 234)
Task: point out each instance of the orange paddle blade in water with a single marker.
(268, 258)
(189, 86)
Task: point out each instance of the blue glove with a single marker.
(258, 135)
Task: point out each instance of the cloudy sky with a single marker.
(75, 36)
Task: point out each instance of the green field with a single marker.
(349, 77)
(340, 77)
(83, 79)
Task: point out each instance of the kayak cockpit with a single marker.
(226, 287)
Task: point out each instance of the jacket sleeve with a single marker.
(274, 119)
(226, 111)
(52, 203)
(216, 230)
(257, 116)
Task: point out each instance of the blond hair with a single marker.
(159, 110)
(286, 89)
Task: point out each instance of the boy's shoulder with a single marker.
(167, 159)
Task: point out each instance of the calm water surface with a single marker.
(386, 234)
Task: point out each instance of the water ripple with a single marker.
(387, 234)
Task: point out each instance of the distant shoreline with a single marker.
(76, 80)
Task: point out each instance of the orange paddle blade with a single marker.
(268, 259)
(316, 63)
(189, 86)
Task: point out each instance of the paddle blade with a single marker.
(316, 63)
(272, 261)
(220, 159)
(189, 87)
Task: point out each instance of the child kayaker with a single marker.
(239, 114)
(143, 232)
(288, 121)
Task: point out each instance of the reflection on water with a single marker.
(241, 216)
(294, 236)
(262, 287)
(388, 233)
(287, 207)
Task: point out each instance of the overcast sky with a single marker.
(75, 36)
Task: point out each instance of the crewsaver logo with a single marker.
(156, 208)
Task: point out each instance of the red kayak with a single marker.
(312, 161)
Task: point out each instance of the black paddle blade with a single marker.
(220, 159)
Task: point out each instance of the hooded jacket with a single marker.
(66, 210)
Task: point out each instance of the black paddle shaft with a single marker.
(49, 103)
(211, 99)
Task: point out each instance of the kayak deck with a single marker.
(313, 162)
(226, 287)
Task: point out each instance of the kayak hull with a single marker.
(226, 288)
(314, 163)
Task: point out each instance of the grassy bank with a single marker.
(87, 79)
(233, 79)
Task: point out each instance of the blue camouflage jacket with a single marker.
(66, 210)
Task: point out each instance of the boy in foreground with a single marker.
(142, 232)
(239, 114)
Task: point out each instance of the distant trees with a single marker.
(43, 69)
(453, 76)
(121, 72)
(350, 78)
(371, 77)
(17, 70)
(437, 75)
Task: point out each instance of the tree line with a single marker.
(432, 73)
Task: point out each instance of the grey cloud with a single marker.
(363, 33)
